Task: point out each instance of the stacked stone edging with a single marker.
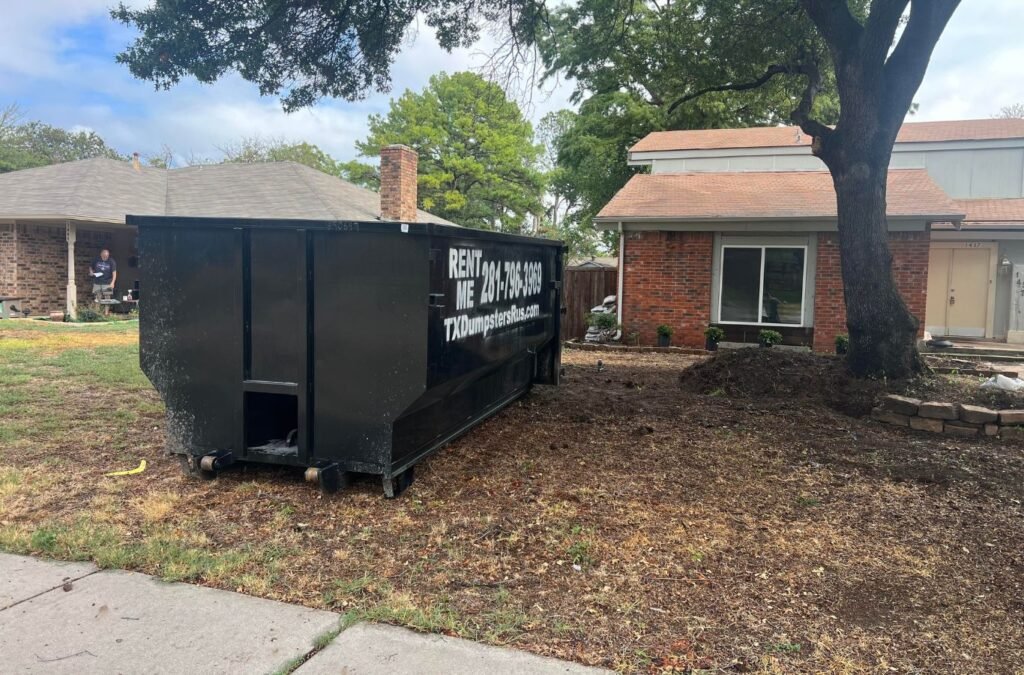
(954, 419)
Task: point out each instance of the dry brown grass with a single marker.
(617, 521)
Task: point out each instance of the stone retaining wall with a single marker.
(954, 419)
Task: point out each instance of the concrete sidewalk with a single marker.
(72, 618)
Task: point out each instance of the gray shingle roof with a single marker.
(105, 190)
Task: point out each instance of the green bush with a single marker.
(603, 321)
(714, 333)
(767, 338)
(665, 331)
(842, 344)
(88, 315)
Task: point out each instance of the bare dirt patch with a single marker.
(623, 520)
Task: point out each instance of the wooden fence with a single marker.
(583, 289)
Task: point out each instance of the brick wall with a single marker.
(42, 267)
(33, 264)
(910, 268)
(8, 265)
(667, 281)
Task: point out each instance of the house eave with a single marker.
(763, 223)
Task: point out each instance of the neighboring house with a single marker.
(54, 220)
(737, 228)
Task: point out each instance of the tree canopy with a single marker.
(256, 149)
(631, 61)
(24, 145)
(308, 50)
(477, 158)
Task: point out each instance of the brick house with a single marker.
(54, 220)
(737, 228)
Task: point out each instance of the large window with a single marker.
(762, 285)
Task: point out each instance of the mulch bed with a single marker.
(650, 518)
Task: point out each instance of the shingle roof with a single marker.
(992, 210)
(105, 190)
(765, 195)
(989, 214)
(101, 190)
(777, 137)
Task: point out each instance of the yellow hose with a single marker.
(131, 472)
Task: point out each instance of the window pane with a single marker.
(783, 285)
(741, 282)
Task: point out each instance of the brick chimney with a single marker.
(398, 183)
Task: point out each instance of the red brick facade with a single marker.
(909, 267)
(667, 280)
(8, 269)
(33, 264)
(398, 183)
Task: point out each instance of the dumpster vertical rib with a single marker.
(306, 416)
(246, 235)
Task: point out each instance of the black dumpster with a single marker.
(342, 347)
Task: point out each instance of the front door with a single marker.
(958, 290)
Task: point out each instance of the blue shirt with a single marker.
(106, 268)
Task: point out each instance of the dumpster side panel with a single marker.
(370, 297)
(493, 332)
(190, 331)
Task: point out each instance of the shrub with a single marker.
(665, 331)
(602, 320)
(714, 333)
(842, 344)
(767, 338)
(88, 315)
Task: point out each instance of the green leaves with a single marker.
(478, 165)
(303, 50)
(23, 146)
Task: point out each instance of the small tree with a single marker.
(478, 165)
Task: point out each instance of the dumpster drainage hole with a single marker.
(271, 423)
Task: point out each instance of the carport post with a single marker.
(72, 298)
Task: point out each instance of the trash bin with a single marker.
(340, 347)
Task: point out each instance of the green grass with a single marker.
(28, 325)
(161, 551)
(39, 363)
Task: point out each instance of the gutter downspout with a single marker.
(622, 274)
(71, 303)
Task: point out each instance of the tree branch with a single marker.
(880, 29)
(836, 23)
(771, 72)
(801, 116)
(905, 68)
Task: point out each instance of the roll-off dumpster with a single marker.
(340, 347)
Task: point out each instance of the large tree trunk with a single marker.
(883, 332)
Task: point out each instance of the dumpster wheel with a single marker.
(328, 476)
(395, 486)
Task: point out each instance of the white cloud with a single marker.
(73, 82)
(975, 69)
(56, 58)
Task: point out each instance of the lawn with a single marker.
(618, 520)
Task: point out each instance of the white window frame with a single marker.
(760, 286)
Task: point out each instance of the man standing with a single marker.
(104, 276)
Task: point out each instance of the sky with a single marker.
(57, 64)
